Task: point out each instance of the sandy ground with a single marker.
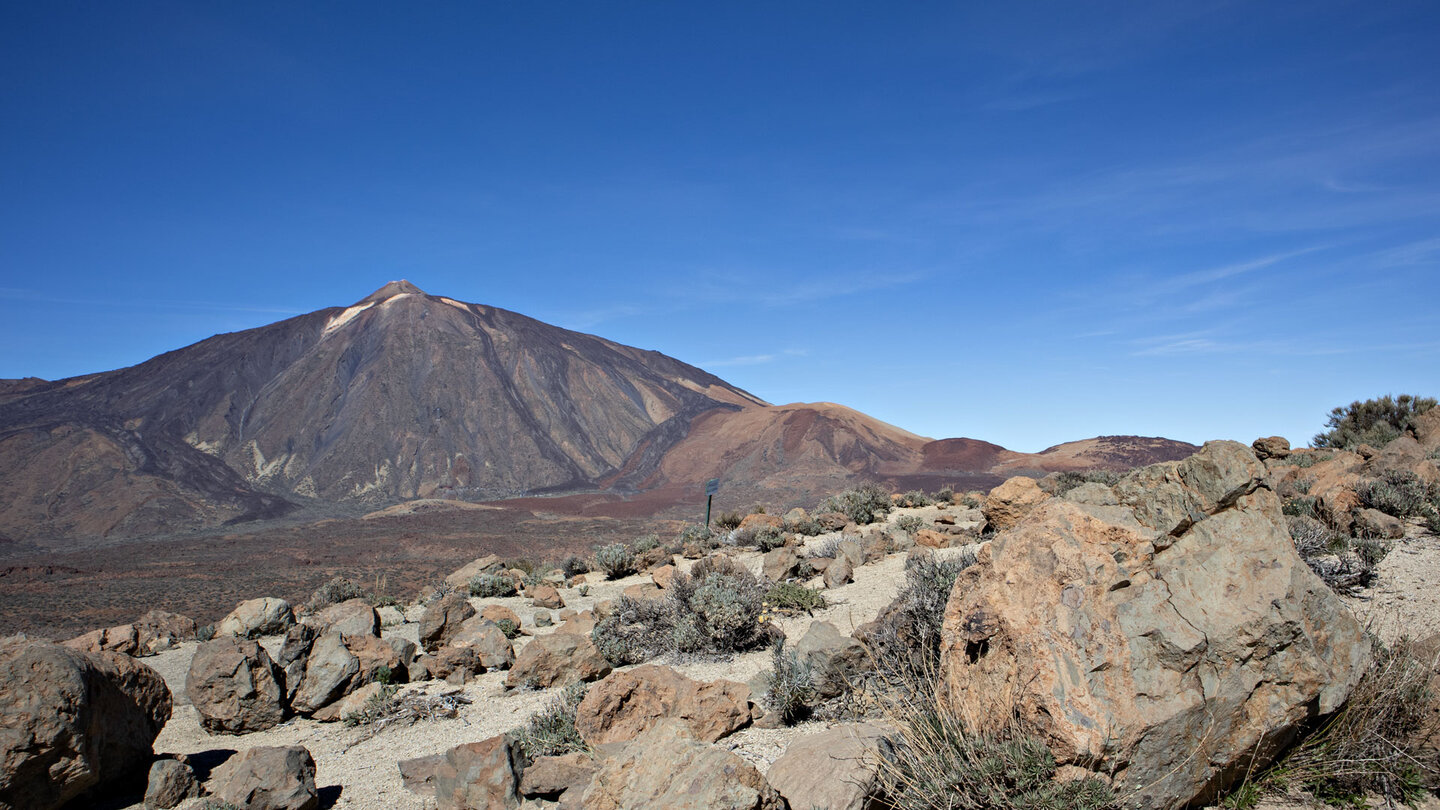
(356, 769)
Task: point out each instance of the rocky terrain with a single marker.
(1163, 635)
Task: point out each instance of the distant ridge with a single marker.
(405, 395)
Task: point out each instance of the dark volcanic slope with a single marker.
(402, 395)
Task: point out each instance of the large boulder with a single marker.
(780, 563)
(353, 617)
(1174, 652)
(483, 774)
(493, 648)
(72, 722)
(666, 768)
(330, 673)
(836, 661)
(254, 618)
(160, 630)
(170, 783)
(836, 768)
(235, 687)
(440, 620)
(627, 704)
(268, 778)
(460, 579)
(557, 659)
(1011, 501)
(124, 639)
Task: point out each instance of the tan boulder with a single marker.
(644, 591)
(1012, 500)
(1172, 652)
(235, 687)
(929, 538)
(170, 782)
(72, 722)
(269, 777)
(442, 619)
(553, 775)
(667, 769)
(460, 579)
(545, 596)
(353, 617)
(331, 671)
(838, 572)
(253, 618)
(494, 613)
(1374, 523)
(663, 576)
(123, 639)
(1271, 447)
(494, 649)
(780, 563)
(376, 655)
(483, 774)
(836, 768)
(762, 521)
(626, 704)
(557, 659)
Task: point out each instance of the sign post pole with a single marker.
(711, 487)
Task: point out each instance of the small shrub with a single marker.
(616, 560)
(524, 565)
(969, 501)
(1396, 492)
(374, 708)
(509, 628)
(537, 576)
(1070, 479)
(695, 533)
(728, 520)
(1342, 562)
(913, 498)
(792, 597)
(945, 495)
(431, 594)
(1301, 506)
(337, 590)
(805, 527)
(910, 524)
(935, 763)
(645, 543)
(383, 675)
(574, 566)
(491, 586)
(551, 731)
(906, 649)
(715, 610)
(769, 538)
(1375, 422)
(790, 689)
(830, 549)
(865, 504)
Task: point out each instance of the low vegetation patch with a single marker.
(769, 538)
(1400, 493)
(406, 709)
(912, 499)
(715, 610)
(1375, 422)
(790, 687)
(805, 527)
(337, 590)
(1344, 563)
(792, 597)
(728, 521)
(865, 504)
(490, 586)
(551, 730)
(910, 524)
(1070, 479)
(906, 647)
(617, 560)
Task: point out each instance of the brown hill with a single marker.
(402, 395)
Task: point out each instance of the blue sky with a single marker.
(1020, 222)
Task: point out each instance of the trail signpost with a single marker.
(711, 487)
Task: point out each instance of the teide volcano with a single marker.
(402, 395)
(407, 396)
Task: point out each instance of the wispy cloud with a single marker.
(589, 319)
(756, 359)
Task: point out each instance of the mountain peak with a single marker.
(394, 288)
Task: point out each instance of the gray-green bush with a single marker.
(551, 731)
(789, 686)
(490, 586)
(1375, 422)
(863, 504)
(617, 560)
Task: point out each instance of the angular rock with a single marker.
(418, 774)
(294, 652)
(545, 596)
(123, 639)
(832, 521)
(460, 579)
(1012, 500)
(663, 576)
(553, 775)
(835, 768)
(762, 521)
(483, 774)
(454, 665)
(835, 660)
(353, 617)
(494, 613)
(644, 591)
(626, 704)
(268, 778)
(160, 631)
(493, 648)
(667, 769)
(73, 722)
(330, 673)
(254, 618)
(1271, 447)
(558, 659)
(780, 563)
(171, 782)
(543, 618)
(929, 538)
(440, 620)
(235, 687)
(353, 703)
(1173, 657)
(1374, 523)
(838, 572)
(378, 655)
